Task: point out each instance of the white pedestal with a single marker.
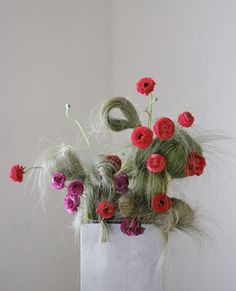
(122, 264)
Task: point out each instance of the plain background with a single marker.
(82, 52)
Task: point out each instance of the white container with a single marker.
(122, 264)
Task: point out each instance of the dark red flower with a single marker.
(121, 182)
(131, 227)
(186, 119)
(142, 137)
(145, 86)
(156, 163)
(164, 128)
(17, 173)
(161, 202)
(195, 164)
(105, 209)
(116, 161)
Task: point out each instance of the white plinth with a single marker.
(123, 264)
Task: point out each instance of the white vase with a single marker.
(122, 264)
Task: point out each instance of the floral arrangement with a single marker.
(132, 191)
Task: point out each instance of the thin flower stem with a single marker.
(149, 110)
(80, 127)
(31, 168)
(150, 116)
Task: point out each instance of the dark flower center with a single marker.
(70, 203)
(145, 85)
(165, 127)
(76, 188)
(140, 136)
(162, 202)
(105, 209)
(58, 179)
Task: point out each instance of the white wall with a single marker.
(54, 52)
(189, 48)
(51, 52)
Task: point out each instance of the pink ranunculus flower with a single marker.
(17, 173)
(145, 86)
(71, 203)
(186, 119)
(58, 180)
(164, 128)
(195, 164)
(75, 188)
(156, 163)
(142, 137)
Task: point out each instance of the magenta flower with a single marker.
(131, 227)
(121, 182)
(71, 203)
(58, 180)
(75, 188)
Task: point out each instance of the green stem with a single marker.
(149, 111)
(31, 168)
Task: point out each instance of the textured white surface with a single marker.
(123, 264)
